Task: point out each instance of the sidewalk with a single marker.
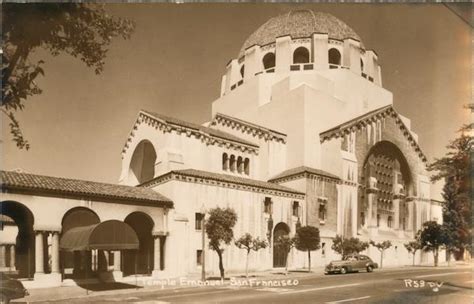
(119, 288)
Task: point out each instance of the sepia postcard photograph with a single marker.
(254, 152)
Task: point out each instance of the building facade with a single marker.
(303, 133)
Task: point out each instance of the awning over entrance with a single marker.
(108, 235)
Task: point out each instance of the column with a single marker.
(157, 254)
(351, 56)
(410, 219)
(55, 252)
(253, 62)
(396, 210)
(372, 212)
(284, 56)
(12, 257)
(320, 51)
(117, 261)
(39, 253)
(3, 256)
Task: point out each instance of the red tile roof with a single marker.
(303, 169)
(40, 184)
(225, 178)
(207, 130)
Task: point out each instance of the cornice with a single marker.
(249, 128)
(206, 138)
(307, 175)
(189, 178)
(361, 124)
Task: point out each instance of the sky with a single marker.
(174, 62)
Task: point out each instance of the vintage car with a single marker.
(10, 289)
(351, 263)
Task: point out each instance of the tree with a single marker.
(432, 236)
(78, 29)
(381, 247)
(307, 239)
(412, 247)
(455, 169)
(249, 243)
(219, 231)
(347, 246)
(285, 243)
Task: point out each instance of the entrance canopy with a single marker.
(108, 235)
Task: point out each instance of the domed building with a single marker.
(303, 133)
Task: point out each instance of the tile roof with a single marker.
(355, 121)
(299, 24)
(229, 120)
(32, 183)
(226, 178)
(303, 169)
(210, 131)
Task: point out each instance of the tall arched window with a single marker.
(142, 164)
(240, 165)
(225, 162)
(268, 60)
(301, 55)
(389, 222)
(242, 71)
(232, 163)
(334, 56)
(361, 65)
(247, 166)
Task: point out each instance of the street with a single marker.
(412, 285)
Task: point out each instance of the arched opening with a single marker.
(361, 65)
(242, 71)
(78, 264)
(334, 56)
(389, 221)
(225, 162)
(240, 165)
(232, 163)
(139, 261)
(18, 238)
(301, 55)
(247, 166)
(269, 60)
(279, 253)
(386, 169)
(142, 165)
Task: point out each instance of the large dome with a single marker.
(299, 24)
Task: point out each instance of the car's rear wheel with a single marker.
(343, 270)
(4, 299)
(370, 268)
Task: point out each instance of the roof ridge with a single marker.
(197, 127)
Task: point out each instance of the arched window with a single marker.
(268, 60)
(389, 222)
(232, 163)
(378, 220)
(225, 162)
(242, 71)
(247, 166)
(240, 165)
(142, 164)
(362, 218)
(334, 56)
(301, 55)
(361, 65)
